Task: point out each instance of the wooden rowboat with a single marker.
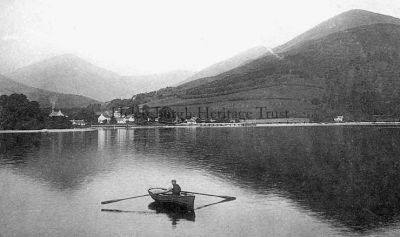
(184, 200)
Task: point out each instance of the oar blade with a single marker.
(111, 210)
(228, 198)
(110, 201)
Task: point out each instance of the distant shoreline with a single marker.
(226, 125)
(330, 124)
(49, 130)
(241, 125)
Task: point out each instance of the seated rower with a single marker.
(176, 189)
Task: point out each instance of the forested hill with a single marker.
(354, 72)
(344, 21)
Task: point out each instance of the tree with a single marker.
(58, 123)
(84, 114)
(167, 115)
(17, 112)
(113, 120)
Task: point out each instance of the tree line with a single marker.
(19, 113)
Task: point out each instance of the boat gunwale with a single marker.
(187, 194)
(183, 200)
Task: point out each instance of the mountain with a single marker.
(315, 59)
(45, 98)
(346, 20)
(341, 22)
(352, 72)
(73, 75)
(208, 73)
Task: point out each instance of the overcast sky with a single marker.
(148, 36)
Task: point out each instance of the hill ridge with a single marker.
(44, 97)
(345, 20)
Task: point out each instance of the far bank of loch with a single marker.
(50, 130)
(209, 125)
(216, 125)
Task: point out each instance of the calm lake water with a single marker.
(288, 181)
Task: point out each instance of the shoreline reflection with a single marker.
(346, 176)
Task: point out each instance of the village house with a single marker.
(77, 122)
(121, 120)
(130, 119)
(338, 119)
(192, 120)
(117, 114)
(103, 119)
(125, 119)
(57, 114)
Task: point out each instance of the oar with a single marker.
(215, 203)
(117, 200)
(117, 210)
(211, 195)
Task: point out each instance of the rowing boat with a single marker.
(184, 200)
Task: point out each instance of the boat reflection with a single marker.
(173, 211)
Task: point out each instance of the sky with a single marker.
(152, 36)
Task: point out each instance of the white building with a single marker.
(117, 114)
(103, 119)
(191, 121)
(57, 114)
(78, 122)
(338, 119)
(121, 120)
(130, 118)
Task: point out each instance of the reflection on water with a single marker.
(63, 160)
(226, 199)
(16, 145)
(348, 177)
(174, 212)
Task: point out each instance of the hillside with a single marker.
(44, 97)
(146, 83)
(72, 75)
(341, 22)
(207, 74)
(315, 59)
(353, 72)
(346, 20)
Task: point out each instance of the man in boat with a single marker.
(176, 189)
